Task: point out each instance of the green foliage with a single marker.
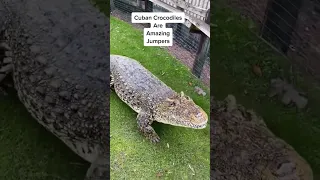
(29, 152)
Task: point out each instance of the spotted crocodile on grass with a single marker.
(152, 99)
(58, 54)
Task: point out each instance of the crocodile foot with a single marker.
(150, 134)
(144, 125)
(6, 65)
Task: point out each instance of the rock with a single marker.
(287, 93)
(200, 91)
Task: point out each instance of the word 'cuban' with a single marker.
(157, 18)
(151, 17)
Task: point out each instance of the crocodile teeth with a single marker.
(5, 46)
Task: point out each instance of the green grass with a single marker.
(134, 157)
(29, 152)
(234, 50)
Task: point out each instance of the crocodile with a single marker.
(152, 99)
(243, 148)
(58, 55)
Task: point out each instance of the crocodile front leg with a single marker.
(144, 125)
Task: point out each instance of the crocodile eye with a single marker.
(171, 104)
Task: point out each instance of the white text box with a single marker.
(157, 36)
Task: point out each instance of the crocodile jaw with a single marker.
(181, 111)
(186, 125)
(198, 121)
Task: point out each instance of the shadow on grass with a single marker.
(28, 151)
(183, 153)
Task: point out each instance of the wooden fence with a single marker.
(197, 14)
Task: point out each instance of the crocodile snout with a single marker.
(200, 119)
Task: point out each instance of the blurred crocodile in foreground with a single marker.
(243, 148)
(58, 54)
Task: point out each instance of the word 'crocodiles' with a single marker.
(58, 55)
(243, 147)
(151, 98)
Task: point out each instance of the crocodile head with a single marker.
(180, 110)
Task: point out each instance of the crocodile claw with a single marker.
(150, 134)
(155, 139)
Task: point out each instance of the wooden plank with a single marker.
(201, 53)
(204, 27)
(148, 6)
(139, 2)
(133, 3)
(200, 57)
(112, 6)
(189, 7)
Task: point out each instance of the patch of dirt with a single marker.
(178, 52)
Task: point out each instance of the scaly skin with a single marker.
(243, 148)
(60, 70)
(152, 99)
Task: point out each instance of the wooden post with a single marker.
(179, 25)
(112, 6)
(200, 57)
(139, 2)
(148, 6)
